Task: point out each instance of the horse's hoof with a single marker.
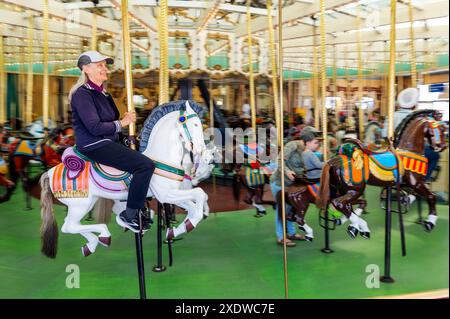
(307, 238)
(205, 216)
(105, 241)
(85, 251)
(258, 215)
(428, 226)
(338, 222)
(365, 234)
(352, 231)
(170, 234)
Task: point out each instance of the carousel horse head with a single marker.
(435, 133)
(203, 165)
(421, 126)
(191, 130)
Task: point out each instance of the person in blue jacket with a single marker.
(96, 122)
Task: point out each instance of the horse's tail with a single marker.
(324, 192)
(236, 186)
(49, 228)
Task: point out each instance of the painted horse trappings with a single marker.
(171, 129)
(358, 165)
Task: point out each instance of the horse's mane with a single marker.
(159, 112)
(407, 120)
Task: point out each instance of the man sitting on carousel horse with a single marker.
(300, 156)
(96, 123)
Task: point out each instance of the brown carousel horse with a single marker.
(6, 185)
(345, 176)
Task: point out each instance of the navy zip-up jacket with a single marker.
(95, 118)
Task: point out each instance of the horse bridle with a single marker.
(182, 119)
(435, 127)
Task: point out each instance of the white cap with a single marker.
(408, 98)
(90, 57)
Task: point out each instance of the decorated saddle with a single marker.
(358, 164)
(31, 148)
(255, 171)
(71, 177)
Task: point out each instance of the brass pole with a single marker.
(391, 74)
(127, 66)
(360, 76)
(282, 166)
(274, 67)
(385, 80)
(29, 106)
(163, 35)
(94, 33)
(211, 125)
(315, 79)
(348, 90)
(324, 83)
(45, 88)
(2, 81)
(411, 46)
(335, 88)
(250, 69)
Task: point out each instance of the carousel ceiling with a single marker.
(211, 35)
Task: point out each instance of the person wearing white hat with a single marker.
(95, 119)
(407, 101)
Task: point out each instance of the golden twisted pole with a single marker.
(45, 88)
(94, 33)
(360, 76)
(411, 46)
(250, 69)
(281, 130)
(274, 68)
(163, 35)
(127, 66)
(324, 81)
(2, 81)
(315, 79)
(335, 88)
(29, 106)
(391, 72)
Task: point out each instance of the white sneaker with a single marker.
(411, 199)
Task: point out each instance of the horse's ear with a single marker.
(189, 109)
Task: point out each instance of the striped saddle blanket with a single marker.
(71, 177)
(359, 166)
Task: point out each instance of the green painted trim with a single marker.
(168, 168)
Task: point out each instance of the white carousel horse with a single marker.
(170, 129)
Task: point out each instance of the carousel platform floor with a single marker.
(231, 255)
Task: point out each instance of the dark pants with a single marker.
(120, 157)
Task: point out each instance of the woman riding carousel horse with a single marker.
(99, 167)
(96, 123)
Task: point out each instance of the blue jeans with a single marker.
(433, 160)
(290, 226)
